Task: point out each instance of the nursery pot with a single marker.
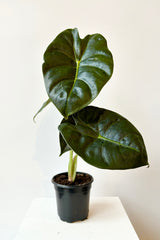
(72, 200)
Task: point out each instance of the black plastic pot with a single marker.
(72, 200)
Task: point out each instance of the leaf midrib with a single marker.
(75, 79)
(76, 75)
(110, 140)
(115, 142)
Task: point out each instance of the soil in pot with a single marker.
(81, 179)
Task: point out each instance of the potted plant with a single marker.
(75, 70)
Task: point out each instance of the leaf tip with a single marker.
(148, 165)
(34, 118)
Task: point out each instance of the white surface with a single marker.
(107, 220)
(29, 152)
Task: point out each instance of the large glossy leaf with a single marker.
(75, 70)
(104, 139)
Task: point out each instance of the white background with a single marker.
(29, 152)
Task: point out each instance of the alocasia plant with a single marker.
(75, 70)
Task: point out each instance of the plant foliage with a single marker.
(103, 139)
(75, 70)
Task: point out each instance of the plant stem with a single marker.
(72, 166)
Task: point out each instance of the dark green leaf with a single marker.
(63, 145)
(75, 70)
(104, 139)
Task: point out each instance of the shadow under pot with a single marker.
(72, 198)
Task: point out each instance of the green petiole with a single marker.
(72, 166)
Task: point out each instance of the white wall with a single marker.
(29, 152)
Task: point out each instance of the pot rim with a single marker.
(71, 186)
